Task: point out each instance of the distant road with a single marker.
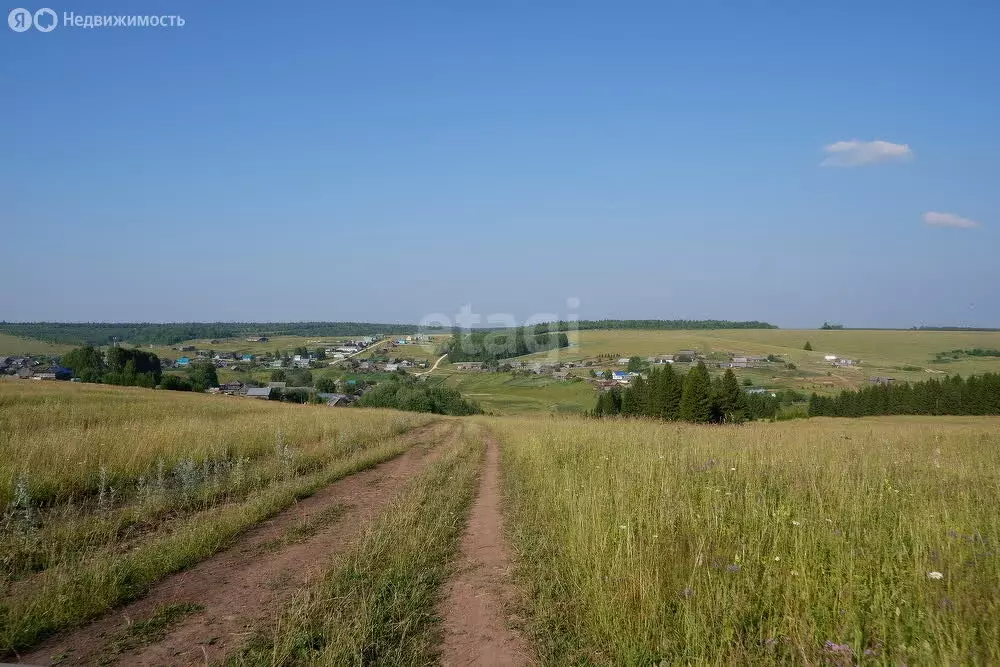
(429, 370)
(367, 349)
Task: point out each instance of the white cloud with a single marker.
(855, 153)
(936, 219)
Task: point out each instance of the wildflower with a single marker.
(833, 647)
(655, 536)
(623, 526)
(777, 558)
(733, 568)
(935, 575)
(732, 469)
(796, 523)
(794, 573)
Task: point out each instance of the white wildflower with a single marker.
(935, 575)
(796, 523)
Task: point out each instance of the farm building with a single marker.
(259, 392)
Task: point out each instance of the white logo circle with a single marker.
(51, 25)
(19, 19)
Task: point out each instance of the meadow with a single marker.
(503, 393)
(16, 345)
(819, 541)
(904, 355)
(106, 489)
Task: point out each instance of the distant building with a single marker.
(881, 380)
(276, 385)
(830, 357)
(259, 392)
(623, 361)
(233, 387)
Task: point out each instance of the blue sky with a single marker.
(385, 161)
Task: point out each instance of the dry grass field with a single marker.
(816, 542)
(233, 531)
(107, 489)
(904, 355)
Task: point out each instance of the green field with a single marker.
(905, 355)
(15, 345)
(502, 393)
(868, 541)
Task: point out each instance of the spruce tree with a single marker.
(696, 400)
(732, 400)
(672, 387)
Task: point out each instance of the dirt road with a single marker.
(242, 588)
(476, 609)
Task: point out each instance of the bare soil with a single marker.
(242, 588)
(478, 623)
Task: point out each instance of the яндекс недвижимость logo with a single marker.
(46, 20)
(21, 20)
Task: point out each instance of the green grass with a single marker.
(148, 630)
(376, 605)
(106, 490)
(806, 542)
(15, 345)
(502, 393)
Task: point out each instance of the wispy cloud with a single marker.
(936, 219)
(856, 153)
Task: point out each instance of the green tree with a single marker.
(635, 365)
(87, 363)
(202, 375)
(696, 400)
(808, 346)
(326, 384)
(732, 400)
(278, 375)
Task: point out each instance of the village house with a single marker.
(232, 387)
(259, 392)
(623, 361)
(881, 380)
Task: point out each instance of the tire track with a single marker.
(241, 588)
(477, 624)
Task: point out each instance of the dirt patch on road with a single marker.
(243, 587)
(476, 610)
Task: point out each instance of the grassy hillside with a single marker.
(501, 393)
(819, 542)
(15, 345)
(905, 355)
(108, 489)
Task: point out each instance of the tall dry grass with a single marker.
(813, 541)
(105, 490)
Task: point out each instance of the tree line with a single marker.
(693, 396)
(501, 344)
(651, 324)
(151, 333)
(975, 395)
(136, 368)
